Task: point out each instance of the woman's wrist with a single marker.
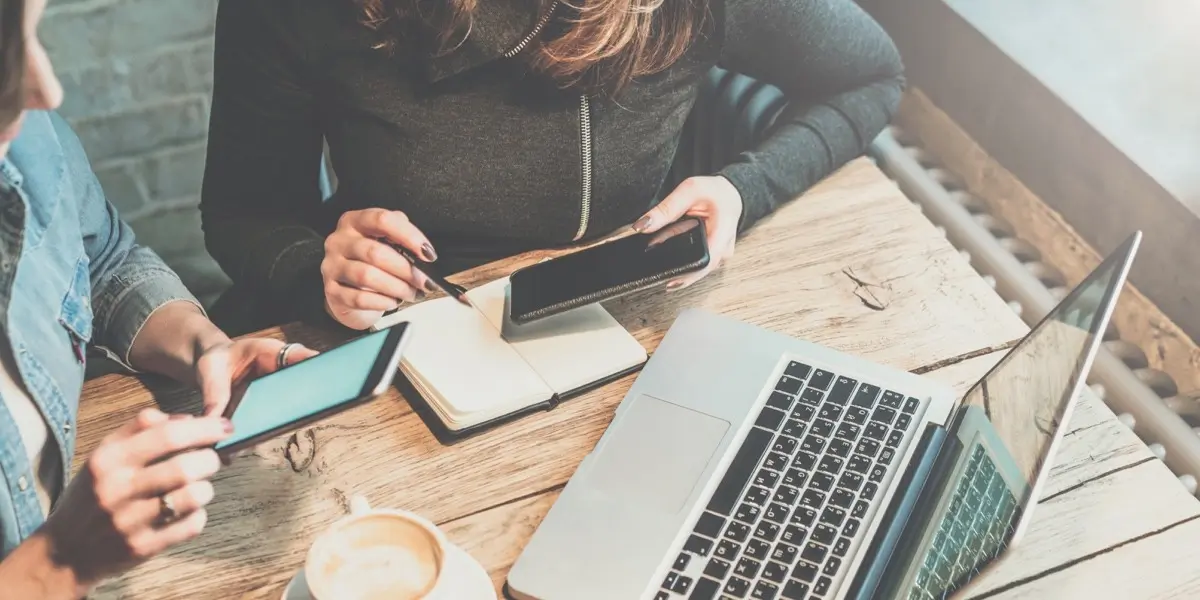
(32, 571)
(173, 339)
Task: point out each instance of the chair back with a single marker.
(732, 114)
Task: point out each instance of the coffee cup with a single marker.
(376, 554)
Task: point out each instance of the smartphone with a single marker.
(314, 388)
(607, 270)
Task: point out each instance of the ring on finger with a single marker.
(179, 503)
(281, 359)
(166, 509)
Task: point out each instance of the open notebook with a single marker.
(473, 369)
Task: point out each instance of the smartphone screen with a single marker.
(638, 257)
(313, 386)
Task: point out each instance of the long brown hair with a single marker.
(12, 59)
(601, 44)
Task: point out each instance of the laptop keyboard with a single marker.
(977, 524)
(789, 511)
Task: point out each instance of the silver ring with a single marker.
(281, 359)
(166, 512)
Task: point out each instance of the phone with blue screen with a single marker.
(314, 389)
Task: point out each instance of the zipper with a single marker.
(585, 154)
(585, 128)
(541, 24)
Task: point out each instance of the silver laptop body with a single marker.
(739, 453)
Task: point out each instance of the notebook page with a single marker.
(568, 350)
(460, 358)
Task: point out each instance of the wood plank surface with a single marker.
(797, 273)
(1160, 564)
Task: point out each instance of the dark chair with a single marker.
(732, 114)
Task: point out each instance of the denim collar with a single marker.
(10, 176)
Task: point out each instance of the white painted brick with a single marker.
(181, 121)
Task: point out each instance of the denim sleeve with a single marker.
(129, 282)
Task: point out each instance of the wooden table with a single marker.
(851, 264)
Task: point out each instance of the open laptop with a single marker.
(744, 463)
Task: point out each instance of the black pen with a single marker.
(454, 290)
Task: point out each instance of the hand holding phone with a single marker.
(313, 389)
(608, 270)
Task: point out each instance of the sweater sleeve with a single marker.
(261, 194)
(842, 76)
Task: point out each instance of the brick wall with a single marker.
(137, 75)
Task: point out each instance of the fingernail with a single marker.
(430, 286)
(642, 223)
(420, 295)
(227, 425)
(427, 252)
(674, 285)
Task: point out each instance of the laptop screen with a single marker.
(1025, 395)
(1007, 424)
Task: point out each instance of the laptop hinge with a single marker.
(885, 562)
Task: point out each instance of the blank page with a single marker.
(568, 350)
(461, 360)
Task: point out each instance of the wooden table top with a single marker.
(852, 265)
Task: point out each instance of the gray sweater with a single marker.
(485, 157)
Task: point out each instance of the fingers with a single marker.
(177, 472)
(215, 375)
(367, 277)
(672, 230)
(669, 210)
(264, 354)
(392, 225)
(714, 263)
(300, 352)
(175, 436)
(150, 542)
(388, 260)
(343, 298)
(183, 529)
(354, 319)
(145, 512)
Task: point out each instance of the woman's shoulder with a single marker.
(300, 28)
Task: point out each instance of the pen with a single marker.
(454, 290)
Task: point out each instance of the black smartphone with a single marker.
(607, 270)
(314, 388)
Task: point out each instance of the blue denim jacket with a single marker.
(71, 274)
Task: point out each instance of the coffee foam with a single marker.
(378, 557)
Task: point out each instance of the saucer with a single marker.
(470, 582)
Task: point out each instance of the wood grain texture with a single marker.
(789, 275)
(1139, 321)
(1160, 564)
(1090, 519)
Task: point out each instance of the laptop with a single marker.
(743, 463)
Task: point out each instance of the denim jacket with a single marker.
(71, 275)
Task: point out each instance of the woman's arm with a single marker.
(261, 194)
(843, 79)
(143, 315)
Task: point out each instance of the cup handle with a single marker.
(359, 505)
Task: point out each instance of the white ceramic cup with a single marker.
(376, 553)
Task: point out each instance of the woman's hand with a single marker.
(713, 200)
(364, 276)
(114, 513)
(222, 367)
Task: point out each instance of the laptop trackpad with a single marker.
(656, 454)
